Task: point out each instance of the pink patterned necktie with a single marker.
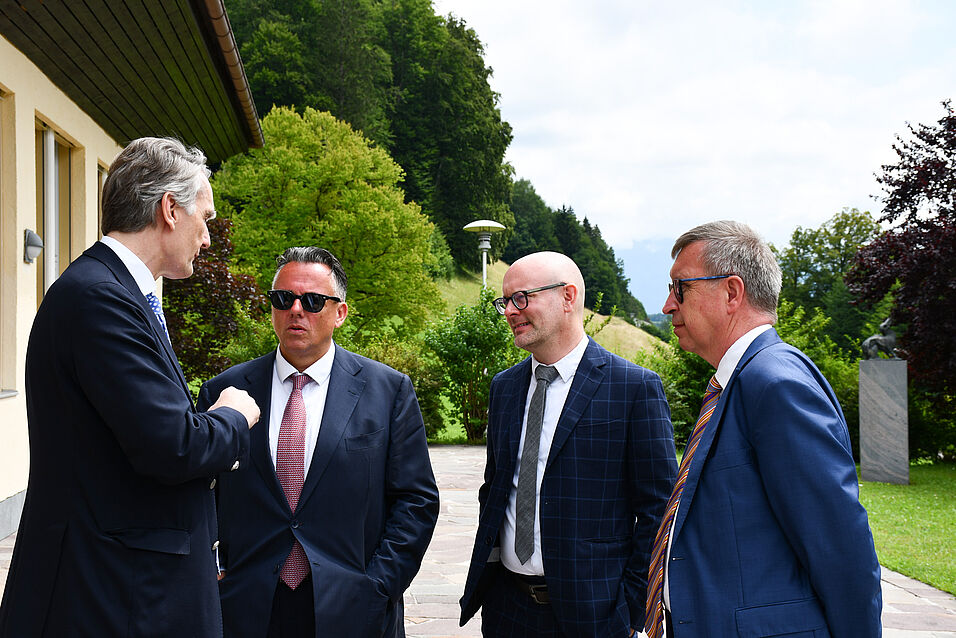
(290, 468)
(654, 616)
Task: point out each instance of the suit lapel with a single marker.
(515, 398)
(346, 384)
(259, 387)
(587, 378)
(105, 254)
(710, 432)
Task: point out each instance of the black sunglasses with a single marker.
(677, 285)
(520, 298)
(311, 301)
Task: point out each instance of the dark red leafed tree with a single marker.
(201, 310)
(919, 252)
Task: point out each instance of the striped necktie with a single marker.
(654, 616)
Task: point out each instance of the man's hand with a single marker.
(239, 400)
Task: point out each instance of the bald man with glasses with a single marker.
(580, 462)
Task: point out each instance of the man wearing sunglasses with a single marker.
(580, 464)
(764, 533)
(323, 532)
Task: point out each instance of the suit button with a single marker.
(212, 484)
(489, 540)
(295, 523)
(215, 546)
(235, 466)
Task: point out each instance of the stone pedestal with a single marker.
(884, 427)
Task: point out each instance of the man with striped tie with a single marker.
(763, 534)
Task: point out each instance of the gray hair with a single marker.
(142, 173)
(734, 248)
(315, 255)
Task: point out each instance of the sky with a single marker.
(650, 118)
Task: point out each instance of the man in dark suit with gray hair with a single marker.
(118, 535)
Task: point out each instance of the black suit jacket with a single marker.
(365, 516)
(119, 521)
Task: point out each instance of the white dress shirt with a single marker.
(725, 369)
(554, 404)
(141, 274)
(313, 395)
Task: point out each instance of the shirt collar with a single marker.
(319, 371)
(568, 364)
(141, 274)
(728, 363)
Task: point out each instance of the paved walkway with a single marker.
(910, 608)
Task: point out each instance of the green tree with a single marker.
(534, 228)
(472, 347)
(446, 126)
(352, 71)
(317, 182)
(814, 264)
(275, 61)
(204, 312)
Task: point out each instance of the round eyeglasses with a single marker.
(520, 298)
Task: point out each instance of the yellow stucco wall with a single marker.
(29, 95)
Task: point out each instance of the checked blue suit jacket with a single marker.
(609, 474)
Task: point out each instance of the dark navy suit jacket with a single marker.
(119, 521)
(365, 516)
(609, 474)
(770, 537)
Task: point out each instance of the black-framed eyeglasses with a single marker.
(677, 285)
(520, 298)
(311, 301)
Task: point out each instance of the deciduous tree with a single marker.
(917, 257)
(318, 182)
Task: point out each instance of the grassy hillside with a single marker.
(618, 336)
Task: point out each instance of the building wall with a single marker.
(28, 97)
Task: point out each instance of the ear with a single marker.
(570, 296)
(341, 313)
(735, 291)
(167, 214)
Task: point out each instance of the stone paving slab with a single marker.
(910, 609)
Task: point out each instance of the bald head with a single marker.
(552, 324)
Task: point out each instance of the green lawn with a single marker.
(914, 526)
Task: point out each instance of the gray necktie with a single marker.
(525, 505)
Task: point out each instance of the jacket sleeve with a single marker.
(144, 404)
(651, 472)
(411, 495)
(803, 453)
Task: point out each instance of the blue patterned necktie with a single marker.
(158, 311)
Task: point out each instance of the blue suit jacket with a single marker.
(770, 537)
(365, 516)
(608, 477)
(119, 521)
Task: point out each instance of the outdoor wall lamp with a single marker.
(32, 245)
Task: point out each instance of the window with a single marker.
(54, 205)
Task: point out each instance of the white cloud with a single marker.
(650, 118)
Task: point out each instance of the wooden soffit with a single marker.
(143, 67)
